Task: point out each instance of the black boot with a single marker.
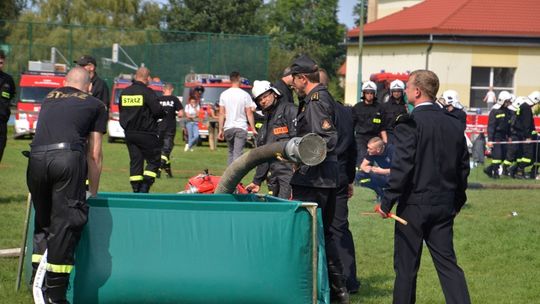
(338, 289)
(505, 170)
(534, 172)
(55, 288)
(168, 170)
(489, 171)
(520, 173)
(495, 171)
(136, 186)
(146, 184)
(512, 171)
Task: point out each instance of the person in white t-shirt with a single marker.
(235, 111)
(490, 98)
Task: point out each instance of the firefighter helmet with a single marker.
(397, 85)
(369, 86)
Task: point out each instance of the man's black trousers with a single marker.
(3, 138)
(56, 180)
(434, 225)
(142, 147)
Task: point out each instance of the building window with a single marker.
(482, 78)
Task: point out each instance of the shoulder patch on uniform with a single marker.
(315, 96)
(326, 124)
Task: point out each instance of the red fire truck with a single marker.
(35, 84)
(114, 130)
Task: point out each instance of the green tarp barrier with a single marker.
(171, 248)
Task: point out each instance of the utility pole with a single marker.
(360, 45)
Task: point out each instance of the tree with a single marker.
(10, 10)
(224, 16)
(356, 12)
(306, 26)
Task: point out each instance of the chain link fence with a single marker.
(170, 55)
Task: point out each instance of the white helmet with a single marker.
(503, 96)
(535, 97)
(397, 85)
(517, 103)
(262, 86)
(452, 99)
(369, 86)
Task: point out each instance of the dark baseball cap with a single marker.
(304, 65)
(85, 60)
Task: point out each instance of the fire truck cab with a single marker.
(40, 79)
(114, 130)
(213, 86)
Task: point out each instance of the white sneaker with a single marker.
(191, 150)
(186, 148)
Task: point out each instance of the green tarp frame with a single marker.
(172, 248)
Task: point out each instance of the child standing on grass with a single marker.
(192, 124)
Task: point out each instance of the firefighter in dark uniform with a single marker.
(7, 92)
(100, 90)
(65, 150)
(518, 132)
(278, 125)
(346, 153)
(316, 114)
(498, 129)
(368, 119)
(283, 85)
(453, 106)
(428, 178)
(526, 120)
(393, 108)
(139, 112)
(535, 98)
(167, 126)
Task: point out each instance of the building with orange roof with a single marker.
(470, 44)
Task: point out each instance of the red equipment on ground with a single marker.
(206, 183)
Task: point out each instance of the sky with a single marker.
(345, 12)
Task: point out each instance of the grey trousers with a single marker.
(236, 140)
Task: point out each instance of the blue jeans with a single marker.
(376, 182)
(193, 133)
(236, 140)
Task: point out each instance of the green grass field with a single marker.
(498, 252)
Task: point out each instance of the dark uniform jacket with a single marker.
(170, 105)
(7, 92)
(524, 123)
(391, 110)
(68, 115)
(139, 109)
(430, 164)
(100, 90)
(278, 125)
(498, 124)
(368, 119)
(285, 90)
(346, 146)
(316, 115)
(461, 116)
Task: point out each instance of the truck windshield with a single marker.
(34, 94)
(117, 93)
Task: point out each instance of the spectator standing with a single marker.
(235, 111)
(7, 92)
(167, 125)
(192, 124)
(65, 150)
(490, 98)
(428, 179)
(100, 90)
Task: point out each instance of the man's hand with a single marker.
(350, 191)
(378, 209)
(221, 135)
(253, 188)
